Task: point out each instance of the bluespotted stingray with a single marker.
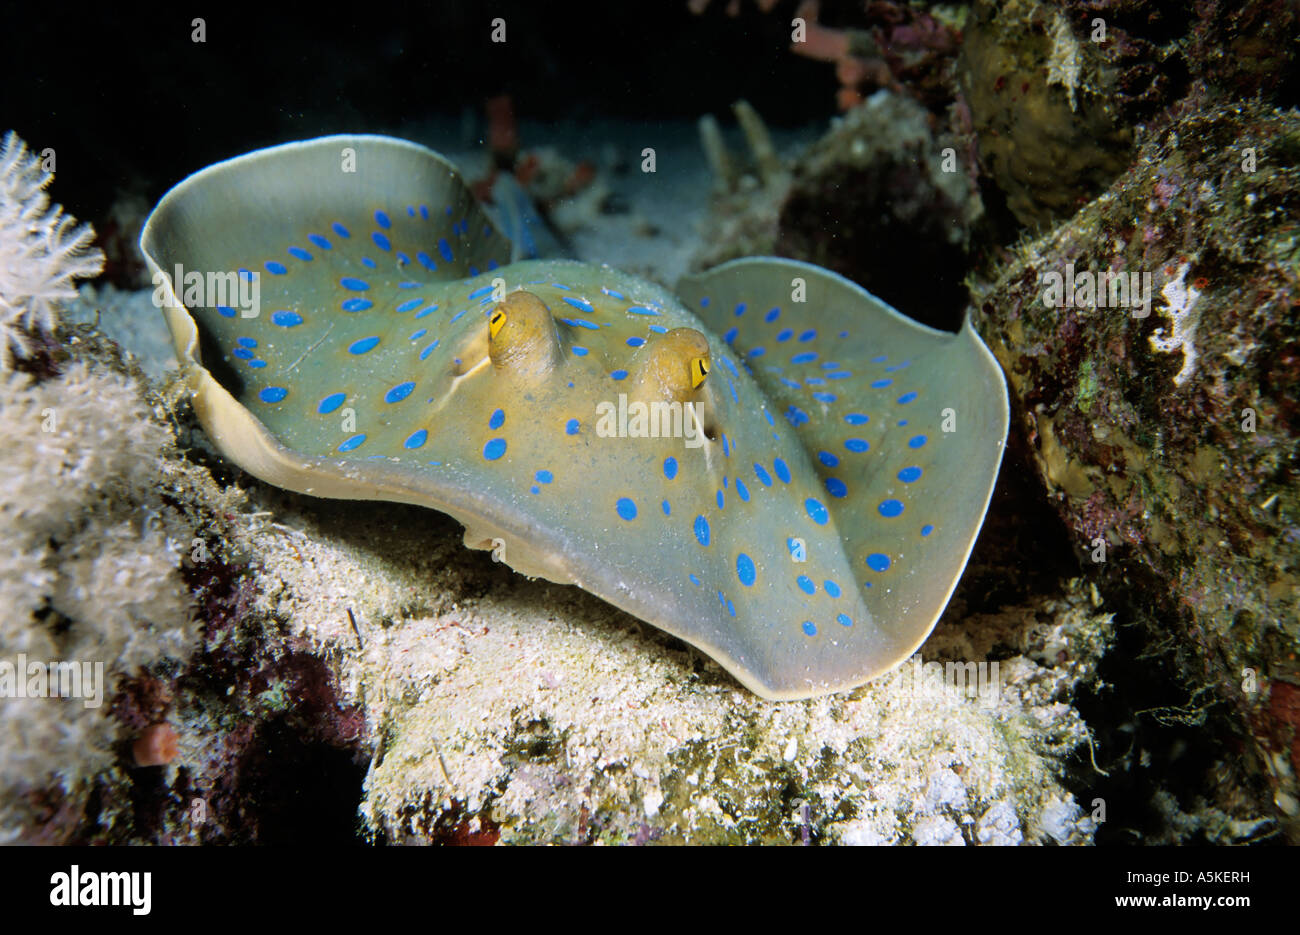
(803, 516)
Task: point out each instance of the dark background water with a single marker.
(130, 102)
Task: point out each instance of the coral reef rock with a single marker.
(1151, 345)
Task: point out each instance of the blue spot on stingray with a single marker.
(286, 319)
(457, 317)
(331, 402)
(278, 269)
(426, 311)
(416, 439)
(836, 488)
(480, 292)
(881, 384)
(581, 305)
(618, 375)
(626, 508)
(817, 510)
(844, 620)
(721, 500)
(726, 451)
(897, 366)
(695, 580)
(409, 304)
(795, 415)
(571, 427)
(782, 471)
(832, 588)
(772, 315)
(356, 285)
(917, 441)
(424, 354)
(927, 529)
(445, 249)
(804, 358)
(382, 220)
(381, 241)
(808, 335)
(880, 360)
(731, 335)
(273, 394)
(856, 418)
(352, 443)
(806, 584)
(745, 570)
(890, 508)
(907, 398)
(641, 310)
(242, 353)
(579, 350)
(784, 335)
(543, 477)
(909, 475)
(856, 444)
(257, 364)
(340, 229)
(878, 561)
(668, 510)
(742, 490)
(426, 261)
(824, 397)
(839, 375)
(320, 241)
(226, 311)
(670, 468)
(300, 254)
(758, 352)
(246, 342)
(702, 530)
(828, 459)
(497, 419)
(617, 295)
(763, 476)
(581, 323)
(494, 449)
(818, 381)
(399, 392)
(635, 341)
(356, 305)
(704, 302)
(809, 628)
(363, 346)
(366, 261)
(740, 309)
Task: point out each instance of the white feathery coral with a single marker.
(42, 250)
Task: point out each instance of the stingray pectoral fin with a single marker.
(905, 425)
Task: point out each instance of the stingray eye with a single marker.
(495, 323)
(699, 370)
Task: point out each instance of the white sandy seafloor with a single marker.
(545, 715)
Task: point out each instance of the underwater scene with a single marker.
(698, 422)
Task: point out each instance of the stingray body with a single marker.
(772, 465)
